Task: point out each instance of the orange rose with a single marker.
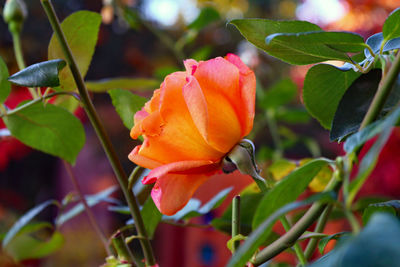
(190, 124)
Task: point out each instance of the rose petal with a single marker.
(172, 191)
(140, 160)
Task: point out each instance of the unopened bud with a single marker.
(14, 14)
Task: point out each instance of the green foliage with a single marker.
(259, 235)
(207, 15)
(81, 30)
(256, 30)
(5, 86)
(324, 241)
(25, 219)
(376, 245)
(126, 104)
(313, 47)
(392, 207)
(281, 93)
(324, 86)
(370, 159)
(287, 190)
(43, 74)
(48, 128)
(249, 199)
(354, 105)
(391, 27)
(34, 241)
(137, 84)
(151, 216)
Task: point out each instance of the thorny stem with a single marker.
(299, 252)
(89, 212)
(381, 95)
(101, 133)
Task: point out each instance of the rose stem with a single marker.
(235, 221)
(102, 134)
(89, 212)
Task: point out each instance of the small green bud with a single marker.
(14, 14)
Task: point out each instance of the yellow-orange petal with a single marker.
(140, 160)
(197, 105)
(172, 191)
(247, 84)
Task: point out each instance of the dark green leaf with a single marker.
(151, 216)
(391, 27)
(43, 74)
(259, 235)
(324, 241)
(91, 200)
(313, 47)
(207, 15)
(81, 30)
(376, 246)
(370, 159)
(287, 190)
(25, 219)
(131, 17)
(5, 86)
(126, 104)
(248, 206)
(34, 241)
(256, 30)
(392, 207)
(48, 128)
(137, 84)
(279, 94)
(324, 86)
(355, 103)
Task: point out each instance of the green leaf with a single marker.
(376, 245)
(324, 241)
(207, 15)
(313, 47)
(279, 94)
(43, 74)
(151, 216)
(91, 200)
(81, 30)
(5, 86)
(137, 84)
(48, 128)
(370, 159)
(391, 27)
(292, 115)
(324, 86)
(259, 235)
(203, 53)
(256, 30)
(287, 190)
(29, 244)
(126, 104)
(249, 200)
(25, 219)
(392, 207)
(354, 105)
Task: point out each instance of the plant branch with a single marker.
(235, 221)
(290, 237)
(384, 89)
(34, 101)
(101, 133)
(299, 252)
(319, 228)
(89, 212)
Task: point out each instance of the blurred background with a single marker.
(150, 41)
